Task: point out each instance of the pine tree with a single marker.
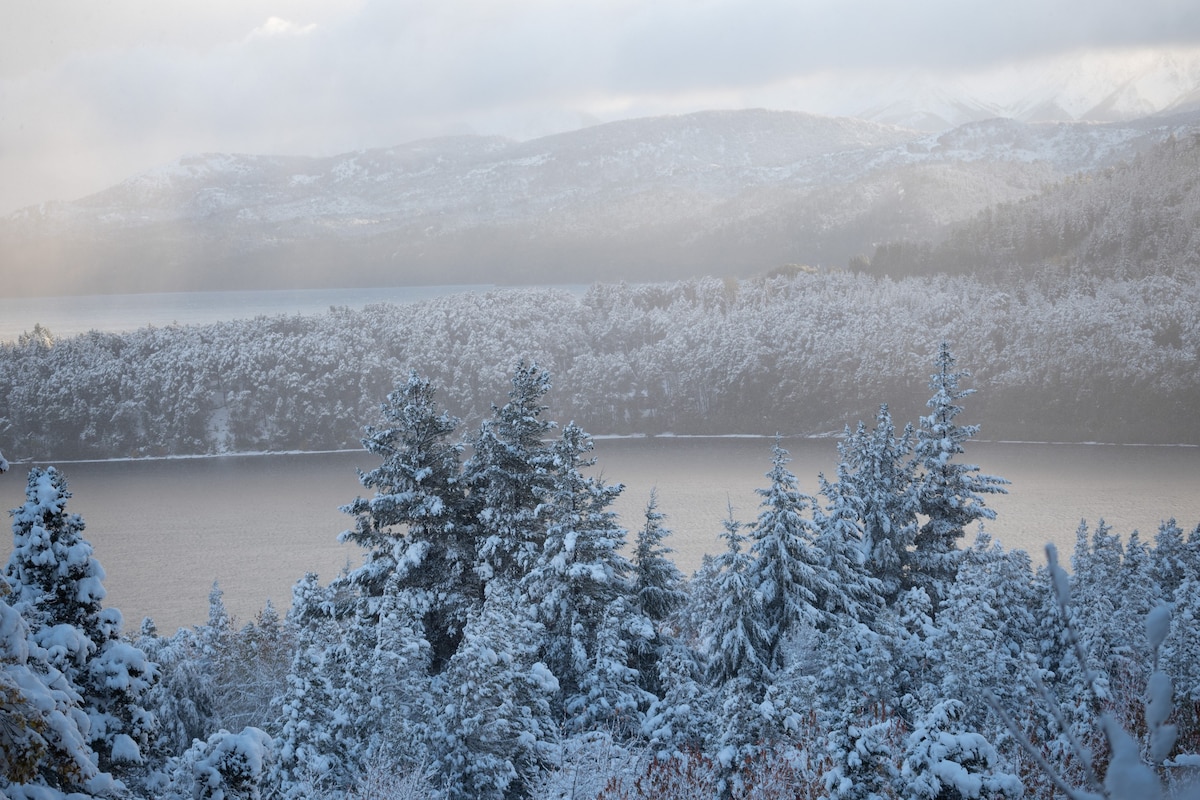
(738, 649)
(319, 745)
(57, 587)
(43, 728)
(945, 760)
(786, 569)
(988, 624)
(494, 731)
(578, 578)
(877, 474)
(1174, 559)
(397, 685)
(509, 470)
(737, 641)
(658, 592)
(658, 583)
(858, 594)
(950, 494)
(416, 526)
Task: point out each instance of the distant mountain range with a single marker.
(1075, 88)
(725, 193)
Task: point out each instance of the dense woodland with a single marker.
(1137, 218)
(502, 639)
(1082, 359)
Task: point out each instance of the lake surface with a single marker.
(68, 316)
(165, 529)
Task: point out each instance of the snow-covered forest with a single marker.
(1083, 359)
(1137, 218)
(501, 638)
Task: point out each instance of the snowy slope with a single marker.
(720, 192)
(1081, 87)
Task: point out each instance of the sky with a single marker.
(93, 91)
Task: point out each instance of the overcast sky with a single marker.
(91, 91)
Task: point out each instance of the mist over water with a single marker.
(165, 529)
(115, 313)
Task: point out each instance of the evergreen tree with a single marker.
(226, 766)
(862, 752)
(1174, 559)
(183, 699)
(658, 584)
(507, 474)
(786, 569)
(988, 625)
(57, 587)
(578, 578)
(877, 474)
(494, 731)
(43, 728)
(398, 690)
(658, 592)
(319, 745)
(737, 641)
(858, 594)
(738, 649)
(415, 526)
(950, 494)
(946, 761)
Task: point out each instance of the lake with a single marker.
(165, 529)
(115, 313)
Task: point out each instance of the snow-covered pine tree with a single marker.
(658, 583)
(1174, 559)
(988, 624)
(184, 697)
(319, 744)
(840, 540)
(876, 471)
(226, 766)
(575, 581)
(511, 465)
(736, 639)
(397, 684)
(786, 569)
(494, 730)
(947, 761)
(57, 587)
(44, 750)
(950, 494)
(416, 526)
(737, 649)
(659, 592)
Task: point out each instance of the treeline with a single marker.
(1139, 218)
(1087, 359)
(499, 641)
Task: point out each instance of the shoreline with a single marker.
(600, 437)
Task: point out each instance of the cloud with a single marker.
(91, 93)
(277, 26)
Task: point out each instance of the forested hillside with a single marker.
(499, 641)
(726, 193)
(1085, 360)
(1139, 218)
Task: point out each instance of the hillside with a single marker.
(1141, 217)
(726, 193)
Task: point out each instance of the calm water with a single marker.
(164, 530)
(68, 316)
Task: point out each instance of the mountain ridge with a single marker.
(723, 192)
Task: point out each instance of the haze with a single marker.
(92, 93)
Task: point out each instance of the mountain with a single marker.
(1081, 87)
(723, 193)
(1139, 218)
